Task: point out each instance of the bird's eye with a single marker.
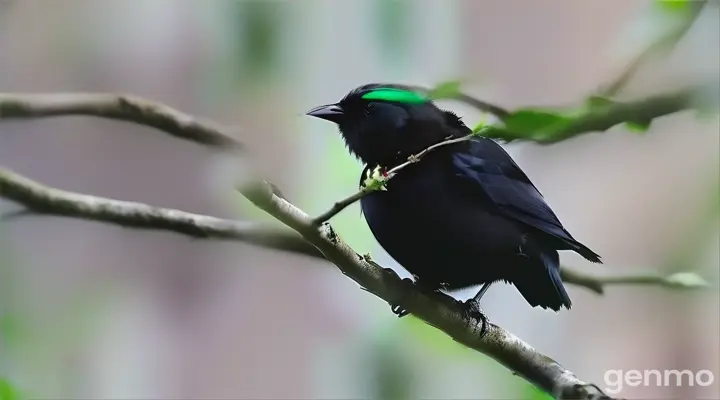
(368, 108)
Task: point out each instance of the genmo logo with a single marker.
(616, 379)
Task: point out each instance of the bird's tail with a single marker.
(581, 249)
(543, 286)
(587, 253)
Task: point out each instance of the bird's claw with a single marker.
(473, 310)
(397, 309)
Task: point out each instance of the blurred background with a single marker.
(94, 311)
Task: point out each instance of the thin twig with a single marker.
(417, 157)
(341, 205)
(664, 44)
(480, 105)
(364, 191)
(597, 283)
(483, 106)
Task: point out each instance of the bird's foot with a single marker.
(474, 311)
(422, 286)
(397, 309)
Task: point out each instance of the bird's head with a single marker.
(384, 124)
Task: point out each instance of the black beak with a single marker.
(329, 112)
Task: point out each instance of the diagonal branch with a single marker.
(438, 310)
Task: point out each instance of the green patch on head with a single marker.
(397, 95)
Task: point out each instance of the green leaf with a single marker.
(673, 6)
(529, 122)
(686, 280)
(482, 125)
(445, 90)
(595, 102)
(638, 126)
(258, 38)
(7, 392)
(479, 127)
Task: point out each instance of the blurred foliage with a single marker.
(258, 38)
(392, 20)
(8, 324)
(11, 329)
(599, 103)
(688, 251)
(445, 90)
(535, 122)
(391, 373)
(7, 391)
(673, 6)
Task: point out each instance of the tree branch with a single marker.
(438, 310)
(597, 284)
(602, 118)
(41, 199)
(44, 200)
(118, 107)
(472, 101)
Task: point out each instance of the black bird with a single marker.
(465, 214)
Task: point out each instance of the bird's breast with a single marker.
(422, 220)
(397, 213)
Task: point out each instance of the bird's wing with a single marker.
(492, 173)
